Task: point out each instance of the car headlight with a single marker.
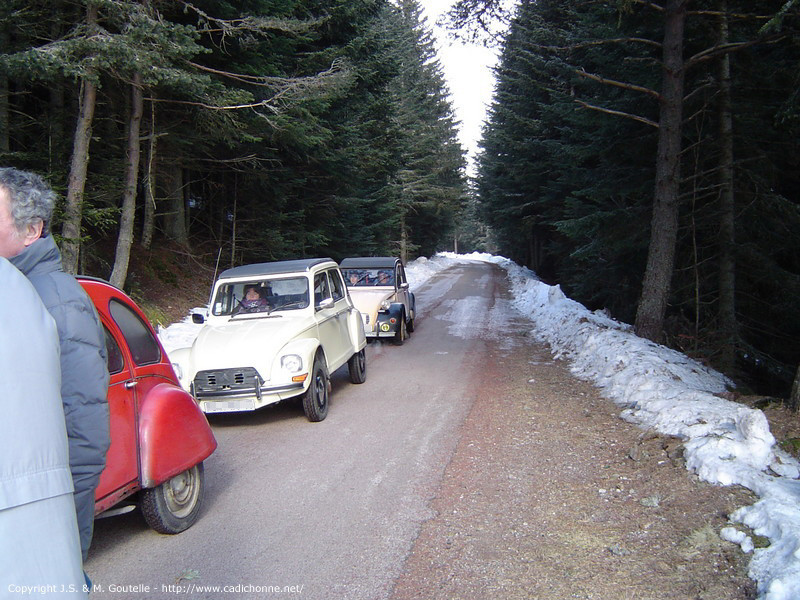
(292, 363)
(385, 304)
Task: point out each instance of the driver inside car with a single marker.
(384, 278)
(253, 300)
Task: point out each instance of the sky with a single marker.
(468, 72)
(725, 443)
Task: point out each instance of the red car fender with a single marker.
(174, 435)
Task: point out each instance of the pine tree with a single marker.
(566, 173)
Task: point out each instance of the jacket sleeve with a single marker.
(84, 372)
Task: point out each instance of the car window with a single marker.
(401, 274)
(321, 288)
(356, 277)
(115, 360)
(376, 276)
(336, 284)
(143, 345)
(290, 293)
(225, 300)
(384, 277)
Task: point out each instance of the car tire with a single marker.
(358, 366)
(317, 397)
(413, 313)
(174, 505)
(402, 333)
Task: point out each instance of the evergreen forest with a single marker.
(641, 154)
(263, 129)
(644, 156)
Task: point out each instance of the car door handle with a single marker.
(129, 385)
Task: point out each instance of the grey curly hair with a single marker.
(30, 198)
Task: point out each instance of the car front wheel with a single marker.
(316, 398)
(401, 334)
(174, 505)
(358, 366)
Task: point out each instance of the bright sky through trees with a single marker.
(468, 70)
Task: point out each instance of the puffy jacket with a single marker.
(39, 543)
(84, 380)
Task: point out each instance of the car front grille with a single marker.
(222, 380)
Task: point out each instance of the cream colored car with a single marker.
(274, 331)
(381, 293)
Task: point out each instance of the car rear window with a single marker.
(115, 360)
(143, 345)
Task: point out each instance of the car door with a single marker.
(403, 295)
(328, 321)
(342, 304)
(122, 465)
(136, 367)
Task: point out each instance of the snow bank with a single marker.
(725, 442)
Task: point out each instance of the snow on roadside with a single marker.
(725, 442)
(657, 388)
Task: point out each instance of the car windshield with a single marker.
(368, 277)
(261, 296)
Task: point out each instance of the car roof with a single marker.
(273, 268)
(95, 286)
(367, 262)
(101, 292)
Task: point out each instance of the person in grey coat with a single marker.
(40, 553)
(26, 206)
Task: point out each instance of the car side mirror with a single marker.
(404, 285)
(326, 303)
(198, 318)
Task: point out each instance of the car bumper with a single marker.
(246, 400)
(382, 329)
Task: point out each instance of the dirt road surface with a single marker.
(470, 465)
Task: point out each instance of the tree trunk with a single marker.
(125, 240)
(794, 399)
(664, 225)
(149, 220)
(233, 219)
(727, 239)
(175, 217)
(76, 182)
(403, 240)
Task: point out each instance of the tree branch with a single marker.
(648, 5)
(262, 80)
(251, 24)
(617, 113)
(619, 84)
(261, 104)
(714, 51)
(600, 43)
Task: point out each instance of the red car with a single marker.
(159, 435)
